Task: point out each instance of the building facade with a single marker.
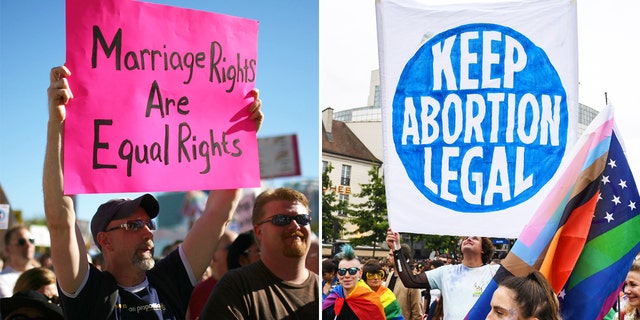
(351, 161)
(365, 123)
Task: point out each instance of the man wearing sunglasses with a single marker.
(131, 285)
(352, 299)
(19, 246)
(278, 286)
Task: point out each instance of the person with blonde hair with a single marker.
(38, 279)
(631, 289)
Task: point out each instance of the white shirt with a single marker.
(8, 278)
(460, 286)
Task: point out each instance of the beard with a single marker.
(144, 263)
(145, 260)
(298, 247)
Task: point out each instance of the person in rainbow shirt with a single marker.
(374, 276)
(352, 299)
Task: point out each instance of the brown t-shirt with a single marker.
(253, 292)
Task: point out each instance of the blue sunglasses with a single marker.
(284, 220)
(352, 271)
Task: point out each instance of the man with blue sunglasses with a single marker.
(352, 299)
(131, 285)
(278, 286)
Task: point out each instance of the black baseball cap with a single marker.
(32, 300)
(120, 209)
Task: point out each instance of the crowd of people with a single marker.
(439, 289)
(268, 277)
(130, 283)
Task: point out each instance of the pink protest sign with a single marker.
(160, 99)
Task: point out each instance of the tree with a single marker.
(331, 224)
(441, 244)
(370, 217)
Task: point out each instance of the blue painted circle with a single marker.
(536, 79)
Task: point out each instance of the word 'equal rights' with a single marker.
(188, 146)
(480, 120)
(219, 68)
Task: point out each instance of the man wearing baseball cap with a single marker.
(131, 284)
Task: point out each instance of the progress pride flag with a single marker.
(160, 99)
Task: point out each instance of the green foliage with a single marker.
(370, 217)
(331, 225)
(441, 244)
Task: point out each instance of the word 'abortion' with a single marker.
(220, 69)
(188, 146)
(472, 116)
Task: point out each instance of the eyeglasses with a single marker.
(134, 225)
(284, 220)
(371, 275)
(23, 242)
(352, 271)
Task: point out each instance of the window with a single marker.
(345, 178)
(343, 198)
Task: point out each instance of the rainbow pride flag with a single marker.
(364, 302)
(390, 304)
(587, 232)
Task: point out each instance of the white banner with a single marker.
(479, 106)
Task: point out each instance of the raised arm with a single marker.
(407, 277)
(200, 244)
(201, 241)
(68, 250)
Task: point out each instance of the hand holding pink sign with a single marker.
(164, 99)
